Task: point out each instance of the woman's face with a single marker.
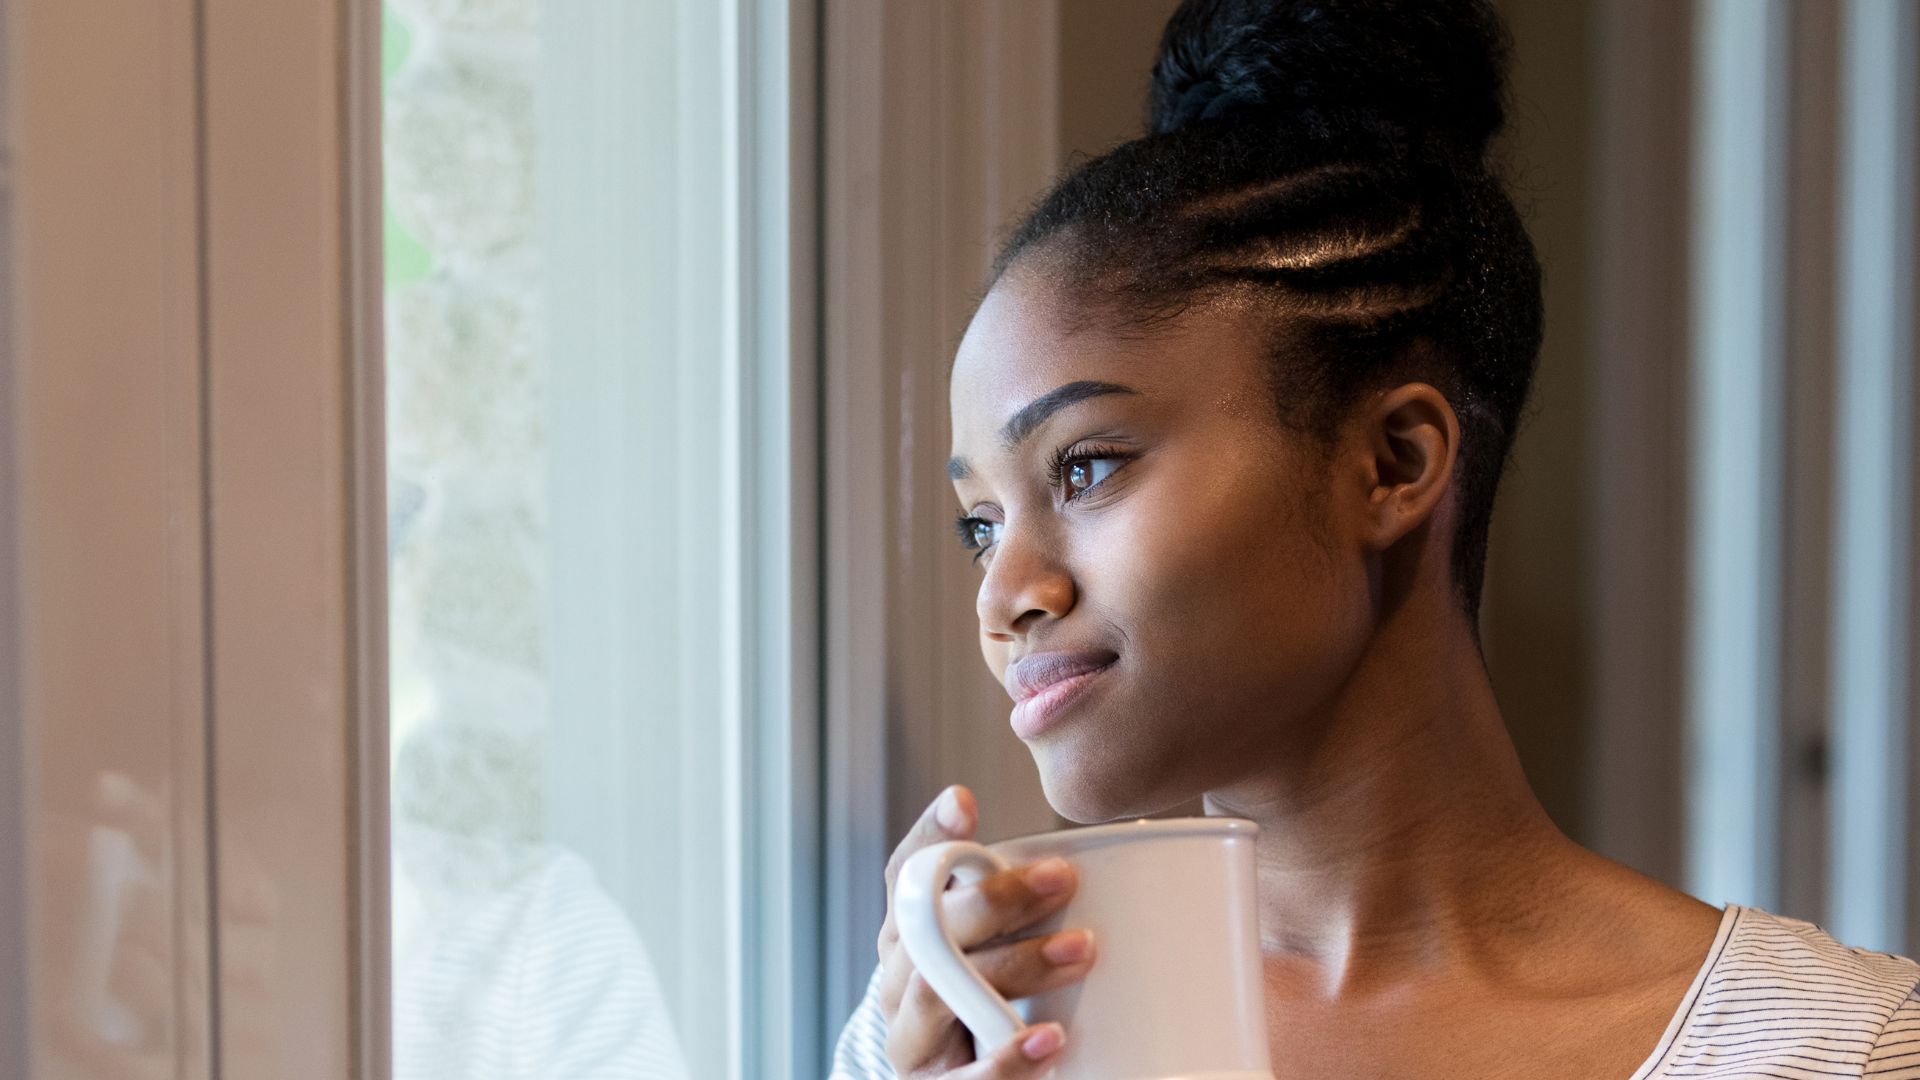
(1166, 590)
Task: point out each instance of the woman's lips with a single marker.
(1044, 685)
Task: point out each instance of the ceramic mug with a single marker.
(1175, 992)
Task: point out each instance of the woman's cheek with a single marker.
(1240, 570)
(1196, 543)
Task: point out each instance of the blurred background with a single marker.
(496, 448)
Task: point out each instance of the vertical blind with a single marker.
(1858, 745)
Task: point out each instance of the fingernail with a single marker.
(947, 812)
(1070, 947)
(1045, 1040)
(1049, 876)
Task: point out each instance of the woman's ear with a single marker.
(1414, 438)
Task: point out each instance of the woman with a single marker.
(1227, 429)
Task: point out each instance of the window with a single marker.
(591, 623)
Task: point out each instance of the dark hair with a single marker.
(1326, 165)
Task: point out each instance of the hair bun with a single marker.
(1357, 74)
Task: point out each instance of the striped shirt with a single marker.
(1776, 998)
(510, 962)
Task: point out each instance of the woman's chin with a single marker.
(1088, 797)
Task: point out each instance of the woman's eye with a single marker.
(977, 534)
(1087, 472)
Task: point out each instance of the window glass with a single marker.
(563, 481)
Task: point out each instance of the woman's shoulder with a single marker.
(1789, 951)
(1782, 993)
(1896, 1053)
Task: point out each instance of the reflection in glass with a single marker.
(520, 949)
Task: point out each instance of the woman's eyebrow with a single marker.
(1036, 412)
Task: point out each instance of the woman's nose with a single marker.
(1025, 584)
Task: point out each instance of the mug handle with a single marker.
(922, 922)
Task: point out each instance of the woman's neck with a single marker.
(1397, 826)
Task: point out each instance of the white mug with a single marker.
(1176, 990)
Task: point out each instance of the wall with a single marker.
(1106, 53)
(13, 854)
(1534, 619)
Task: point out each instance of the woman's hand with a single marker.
(122, 949)
(924, 1040)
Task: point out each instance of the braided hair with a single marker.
(1324, 165)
